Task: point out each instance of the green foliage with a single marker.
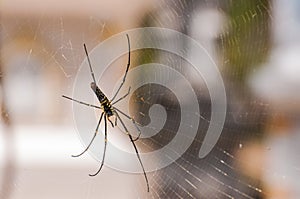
(246, 41)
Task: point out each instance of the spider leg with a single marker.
(136, 150)
(80, 102)
(128, 64)
(92, 138)
(105, 143)
(133, 121)
(110, 122)
(88, 58)
(122, 97)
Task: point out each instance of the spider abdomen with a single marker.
(100, 95)
(105, 103)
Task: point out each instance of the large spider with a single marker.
(109, 110)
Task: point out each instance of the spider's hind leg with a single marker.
(105, 143)
(96, 131)
(136, 150)
(133, 121)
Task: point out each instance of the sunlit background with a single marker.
(256, 46)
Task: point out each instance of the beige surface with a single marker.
(102, 9)
(44, 167)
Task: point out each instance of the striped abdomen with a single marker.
(105, 103)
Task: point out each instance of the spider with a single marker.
(109, 110)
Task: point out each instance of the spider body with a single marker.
(105, 103)
(108, 110)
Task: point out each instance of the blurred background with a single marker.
(256, 47)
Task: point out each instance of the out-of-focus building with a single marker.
(278, 83)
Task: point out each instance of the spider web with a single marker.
(43, 54)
